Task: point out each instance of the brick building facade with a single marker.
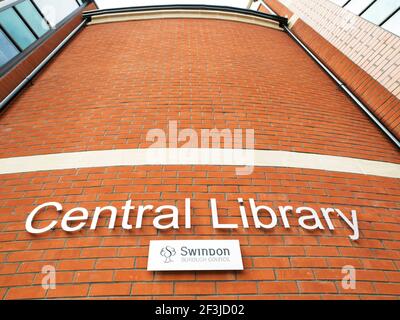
(115, 81)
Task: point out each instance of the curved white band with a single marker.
(184, 14)
(201, 156)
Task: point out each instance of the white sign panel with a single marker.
(179, 255)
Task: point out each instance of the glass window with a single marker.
(4, 3)
(16, 28)
(358, 6)
(32, 16)
(7, 49)
(56, 10)
(340, 2)
(381, 10)
(393, 24)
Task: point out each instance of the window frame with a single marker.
(27, 31)
(8, 66)
(7, 37)
(59, 22)
(27, 22)
(385, 19)
(363, 11)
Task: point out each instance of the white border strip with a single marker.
(189, 156)
(183, 14)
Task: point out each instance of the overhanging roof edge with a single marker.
(281, 20)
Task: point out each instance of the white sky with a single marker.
(105, 4)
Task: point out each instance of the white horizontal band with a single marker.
(184, 14)
(200, 156)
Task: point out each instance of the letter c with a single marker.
(28, 223)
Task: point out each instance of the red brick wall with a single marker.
(279, 263)
(116, 81)
(381, 102)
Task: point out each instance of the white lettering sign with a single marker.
(251, 214)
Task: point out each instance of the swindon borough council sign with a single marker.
(178, 255)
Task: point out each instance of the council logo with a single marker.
(168, 252)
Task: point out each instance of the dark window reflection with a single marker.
(16, 28)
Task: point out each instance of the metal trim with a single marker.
(281, 20)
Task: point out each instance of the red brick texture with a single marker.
(279, 263)
(112, 84)
(380, 101)
(11, 79)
